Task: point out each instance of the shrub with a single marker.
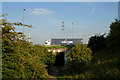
(42, 52)
(79, 56)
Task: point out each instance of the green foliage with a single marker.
(47, 58)
(79, 56)
(21, 59)
(113, 38)
(112, 42)
(59, 47)
(97, 42)
(80, 53)
(103, 66)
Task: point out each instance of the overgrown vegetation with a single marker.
(21, 59)
(80, 55)
(77, 59)
(105, 63)
(100, 59)
(103, 66)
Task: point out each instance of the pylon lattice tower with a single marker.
(72, 30)
(63, 30)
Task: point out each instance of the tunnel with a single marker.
(60, 61)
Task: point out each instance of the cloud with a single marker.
(41, 11)
(92, 11)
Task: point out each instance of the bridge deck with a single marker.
(57, 50)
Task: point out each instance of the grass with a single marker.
(103, 66)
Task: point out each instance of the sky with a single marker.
(89, 18)
(59, 0)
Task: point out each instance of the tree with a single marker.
(113, 38)
(97, 42)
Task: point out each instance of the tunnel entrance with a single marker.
(60, 59)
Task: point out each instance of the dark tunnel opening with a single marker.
(60, 59)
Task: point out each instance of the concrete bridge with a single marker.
(57, 50)
(60, 58)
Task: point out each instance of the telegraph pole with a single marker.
(23, 22)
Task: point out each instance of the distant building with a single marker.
(67, 41)
(47, 43)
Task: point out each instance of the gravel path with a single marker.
(53, 74)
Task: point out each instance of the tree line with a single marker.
(111, 42)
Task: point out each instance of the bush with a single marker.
(42, 52)
(78, 57)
